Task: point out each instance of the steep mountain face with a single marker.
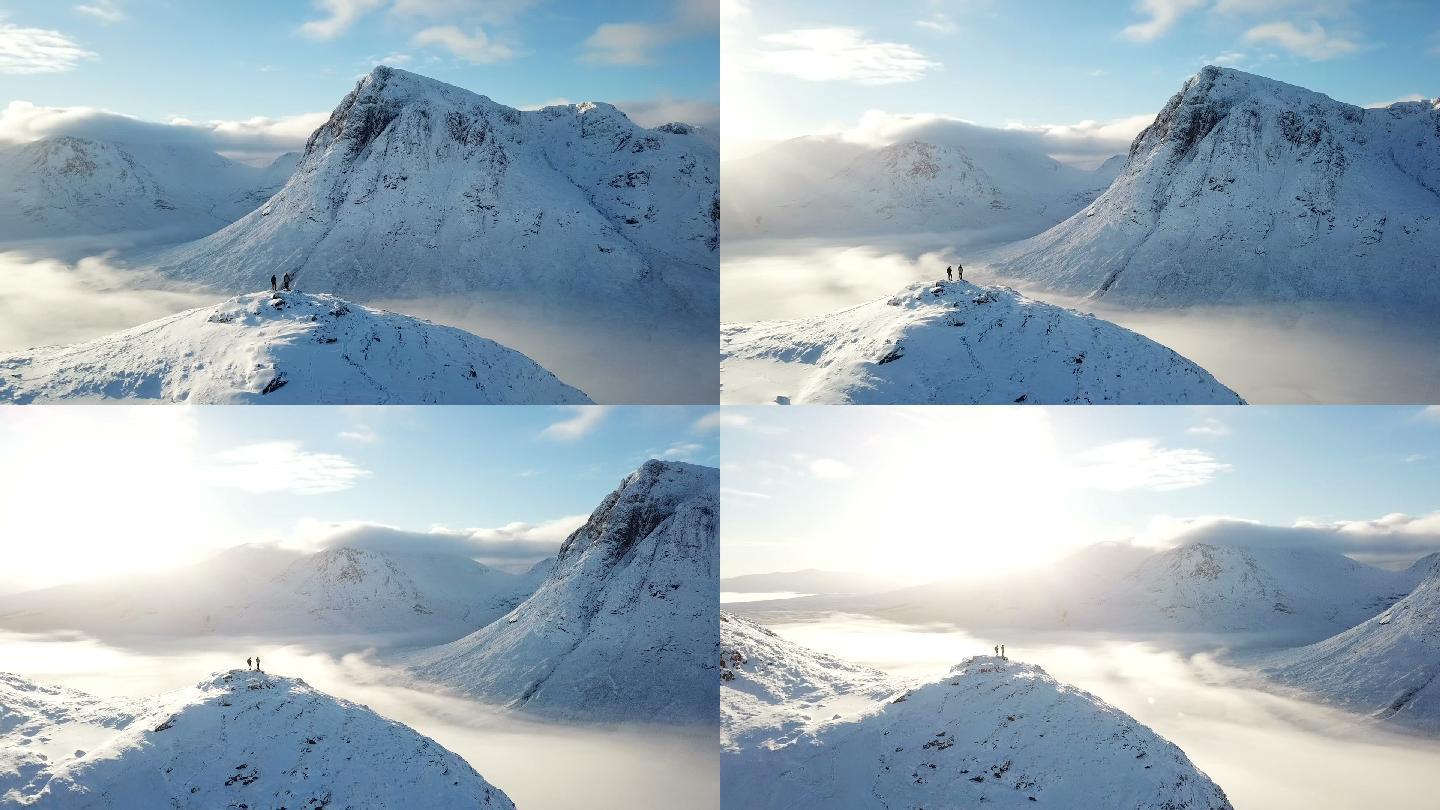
(623, 628)
(418, 188)
(911, 186)
(69, 186)
(1387, 666)
(262, 591)
(993, 733)
(240, 739)
(285, 348)
(1247, 190)
(956, 343)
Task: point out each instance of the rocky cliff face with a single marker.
(1246, 190)
(623, 628)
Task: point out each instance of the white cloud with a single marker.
(635, 43)
(108, 12)
(718, 419)
(341, 14)
(840, 55)
(1392, 538)
(362, 433)
(282, 466)
(664, 109)
(1410, 97)
(681, 450)
(743, 493)
(1086, 144)
(513, 547)
(1209, 427)
(1144, 464)
(939, 22)
(1228, 58)
(1163, 15)
(830, 469)
(1415, 458)
(489, 11)
(396, 59)
(1430, 413)
(478, 47)
(259, 137)
(582, 422)
(38, 50)
(1313, 42)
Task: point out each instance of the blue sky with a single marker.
(281, 60)
(115, 489)
(805, 66)
(994, 488)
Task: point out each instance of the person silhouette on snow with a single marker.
(1002, 656)
(949, 273)
(273, 286)
(247, 663)
(257, 663)
(960, 271)
(285, 285)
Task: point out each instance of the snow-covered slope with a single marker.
(956, 343)
(285, 348)
(1387, 666)
(993, 733)
(418, 188)
(242, 739)
(624, 626)
(264, 591)
(970, 179)
(1247, 190)
(68, 186)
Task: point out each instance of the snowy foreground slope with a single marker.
(1387, 667)
(992, 733)
(416, 188)
(69, 186)
(943, 177)
(266, 591)
(623, 628)
(242, 739)
(1247, 190)
(956, 343)
(285, 348)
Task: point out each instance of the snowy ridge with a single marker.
(240, 739)
(956, 343)
(993, 733)
(285, 348)
(623, 628)
(265, 591)
(69, 186)
(1387, 666)
(817, 186)
(418, 188)
(1249, 190)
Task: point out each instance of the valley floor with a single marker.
(539, 765)
(1311, 353)
(1263, 749)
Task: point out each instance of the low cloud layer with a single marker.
(514, 547)
(1392, 539)
(255, 140)
(1085, 144)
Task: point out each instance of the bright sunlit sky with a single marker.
(91, 491)
(266, 69)
(938, 492)
(811, 66)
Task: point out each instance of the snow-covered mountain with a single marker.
(68, 186)
(803, 730)
(966, 179)
(956, 343)
(1247, 190)
(418, 188)
(263, 590)
(285, 348)
(1387, 666)
(241, 739)
(623, 628)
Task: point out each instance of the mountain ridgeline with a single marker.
(1246, 190)
(417, 188)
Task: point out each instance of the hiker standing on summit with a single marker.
(949, 273)
(272, 282)
(959, 271)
